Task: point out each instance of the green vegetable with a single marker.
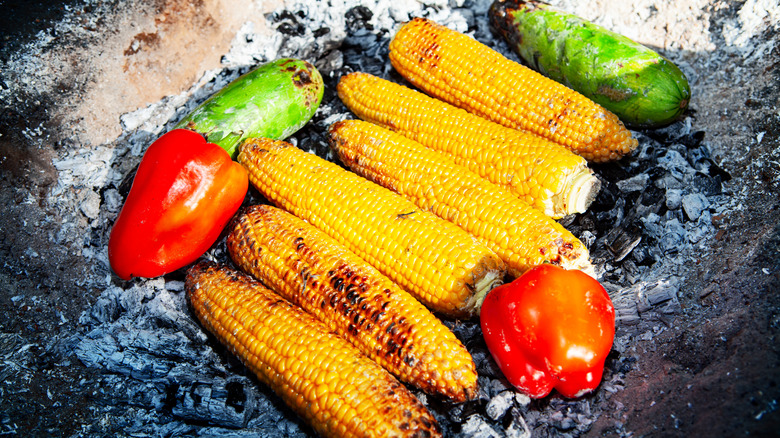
(644, 89)
(274, 101)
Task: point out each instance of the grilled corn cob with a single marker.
(315, 272)
(323, 378)
(438, 263)
(522, 236)
(460, 70)
(542, 173)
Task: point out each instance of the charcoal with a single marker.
(674, 198)
(587, 238)
(357, 17)
(500, 404)
(622, 240)
(496, 387)
(692, 140)
(652, 196)
(585, 221)
(672, 236)
(485, 364)
(670, 181)
(694, 204)
(659, 298)
(707, 185)
(291, 28)
(635, 183)
(631, 271)
(478, 426)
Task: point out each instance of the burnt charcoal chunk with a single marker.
(321, 32)
(707, 185)
(288, 23)
(692, 140)
(621, 241)
(611, 171)
(282, 16)
(292, 29)
(653, 195)
(656, 172)
(236, 397)
(586, 221)
(694, 204)
(357, 18)
(606, 199)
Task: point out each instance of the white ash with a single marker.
(653, 217)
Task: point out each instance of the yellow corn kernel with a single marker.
(542, 173)
(437, 262)
(466, 73)
(522, 236)
(313, 271)
(352, 396)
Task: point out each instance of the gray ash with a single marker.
(654, 213)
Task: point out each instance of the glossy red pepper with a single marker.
(183, 194)
(550, 328)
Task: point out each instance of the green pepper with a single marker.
(273, 101)
(644, 89)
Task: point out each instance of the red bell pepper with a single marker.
(550, 328)
(183, 194)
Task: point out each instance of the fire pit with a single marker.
(685, 233)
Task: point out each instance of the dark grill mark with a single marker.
(302, 79)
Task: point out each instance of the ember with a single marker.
(670, 234)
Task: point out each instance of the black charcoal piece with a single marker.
(621, 241)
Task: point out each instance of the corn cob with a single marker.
(540, 172)
(464, 72)
(438, 263)
(315, 272)
(522, 236)
(323, 378)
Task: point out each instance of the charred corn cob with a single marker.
(522, 236)
(462, 71)
(438, 263)
(315, 272)
(542, 173)
(323, 378)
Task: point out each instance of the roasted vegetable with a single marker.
(644, 89)
(183, 195)
(437, 262)
(456, 68)
(539, 172)
(550, 328)
(522, 236)
(322, 377)
(274, 100)
(315, 272)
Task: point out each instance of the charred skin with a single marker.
(644, 89)
(318, 374)
(386, 323)
(274, 101)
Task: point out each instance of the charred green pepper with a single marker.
(644, 89)
(274, 101)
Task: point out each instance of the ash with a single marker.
(655, 214)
